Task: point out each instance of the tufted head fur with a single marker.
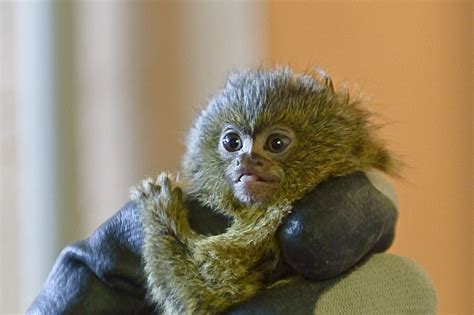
(334, 134)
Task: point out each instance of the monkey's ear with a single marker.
(324, 78)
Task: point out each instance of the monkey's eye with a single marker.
(232, 142)
(277, 143)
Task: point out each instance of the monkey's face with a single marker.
(271, 136)
(253, 170)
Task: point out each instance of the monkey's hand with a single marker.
(162, 204)
(172, 275)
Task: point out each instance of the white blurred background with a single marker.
(95, 95)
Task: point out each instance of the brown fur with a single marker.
(190, 273)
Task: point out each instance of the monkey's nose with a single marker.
(250, 159)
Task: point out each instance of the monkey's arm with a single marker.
(334, 226)
(173, 277)
(194, 274)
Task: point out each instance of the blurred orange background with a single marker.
(116, 85)
(414, 59)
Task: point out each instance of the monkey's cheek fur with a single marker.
(254, 191)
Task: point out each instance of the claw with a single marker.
(164, 181)
(149, 187)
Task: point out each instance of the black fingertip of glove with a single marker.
(334, 226)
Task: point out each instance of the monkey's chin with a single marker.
(254, 192)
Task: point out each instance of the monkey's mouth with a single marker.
(252, 177)
(249, 178)
(251, 187)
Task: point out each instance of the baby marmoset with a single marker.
(267, 138)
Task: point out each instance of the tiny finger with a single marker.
(177, 194)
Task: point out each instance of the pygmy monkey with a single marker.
(267, 138)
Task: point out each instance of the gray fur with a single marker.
(196, 274)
